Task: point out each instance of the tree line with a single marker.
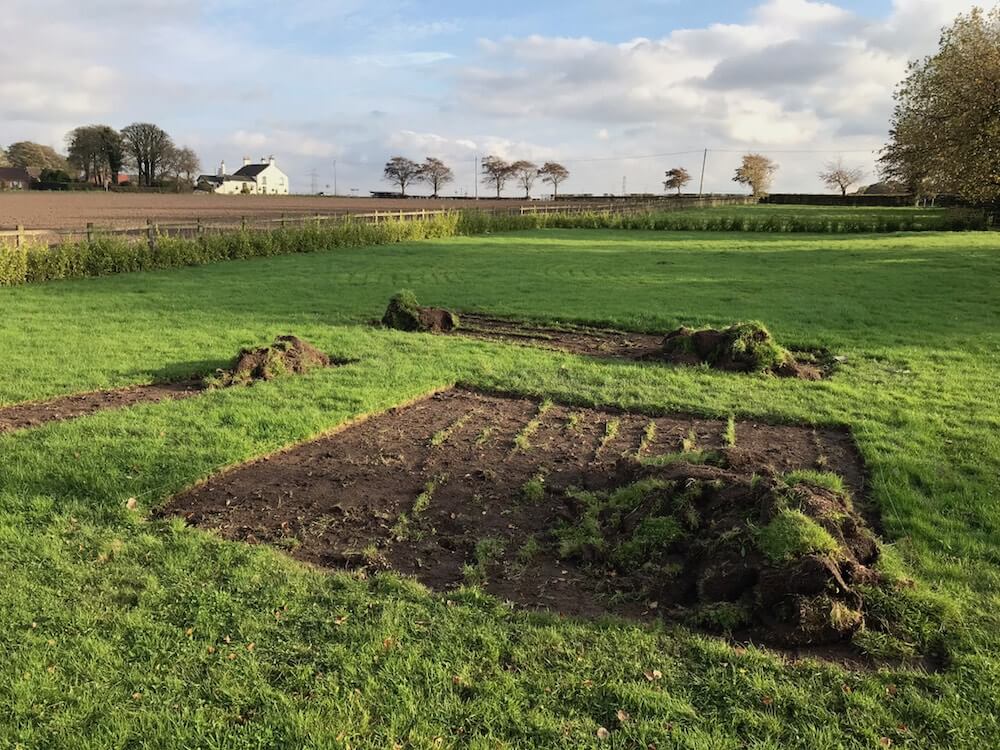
(97, 154)
(495, 172)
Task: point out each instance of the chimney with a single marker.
(222, 169)
(270, 159)
(246, 160)
(263, 160)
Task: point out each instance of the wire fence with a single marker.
(152, 228)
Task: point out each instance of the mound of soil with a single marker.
(581, 511)
(405, 314)
(744, 347)
(288, 355)
(776, 563)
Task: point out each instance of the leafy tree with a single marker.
(526, 173)
(148, 146)
(401, 171)
(4, 161)
(436, 173)
(945, 130)
(54, 175)
(26, 154)
(677, 178)
(496, 172)
(554, 173)
(97, 151)
(757, 171)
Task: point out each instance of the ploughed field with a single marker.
(535, 534)
(73, 210)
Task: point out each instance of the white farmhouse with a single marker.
(263, 178)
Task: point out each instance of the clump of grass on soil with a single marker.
(743, 347)
(404, 313)
(287, 355)
(792, 534)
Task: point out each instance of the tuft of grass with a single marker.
(648, 438)
(522, 441)
(441, 436)
(729, 436)
(533, 491)
(423, 501)
(791, 534)
(611, 428)
(825, 479)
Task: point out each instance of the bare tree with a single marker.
(496, 172)
(837, 176)
(554, 173)
(436, 174)
(757, 171)
(182, 164)
(401, 171)
(677, 178)
(526, 173)
(148, 145)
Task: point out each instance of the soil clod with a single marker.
(743, 347)
(288, 355)
(404, 313)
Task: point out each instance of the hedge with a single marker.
(118, 254)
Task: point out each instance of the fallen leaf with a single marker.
(891, 690)
(885, 742)
(131, 503)
(623, 716)
(251, 646)
(847, 688)
(136, 696)
(767, 700)
(653, 675)
(602, 733)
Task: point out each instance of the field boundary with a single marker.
(20, 235)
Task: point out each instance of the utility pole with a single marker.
(624, 185)
(335, 177)
(701, 185)
(313, 177)
(475, 175)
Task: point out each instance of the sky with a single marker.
(617, 91)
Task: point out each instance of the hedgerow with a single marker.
(106, 255)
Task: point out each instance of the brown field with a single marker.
(72, 211)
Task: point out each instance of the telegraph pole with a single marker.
(335, 177)
(313, 177)
(475, 175)
(701, 185)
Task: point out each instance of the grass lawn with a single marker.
(119, 631)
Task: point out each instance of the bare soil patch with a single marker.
(603, 342)
(35, 414)
(578, 511)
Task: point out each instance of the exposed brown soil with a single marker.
(35, 414)
(605, 342)
(53, 210)
(465, 486)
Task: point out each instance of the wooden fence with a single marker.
(151, 229)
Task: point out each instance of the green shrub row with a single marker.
(118, 254)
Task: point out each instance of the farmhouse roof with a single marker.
(15, 174)
(224, 178)
(251, 170)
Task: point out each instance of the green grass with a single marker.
(118, 630)
(792, 534)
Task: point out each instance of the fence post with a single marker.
(90, 232)
(243, 223)
(19, 242)
(282, 221)
(150, 236)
